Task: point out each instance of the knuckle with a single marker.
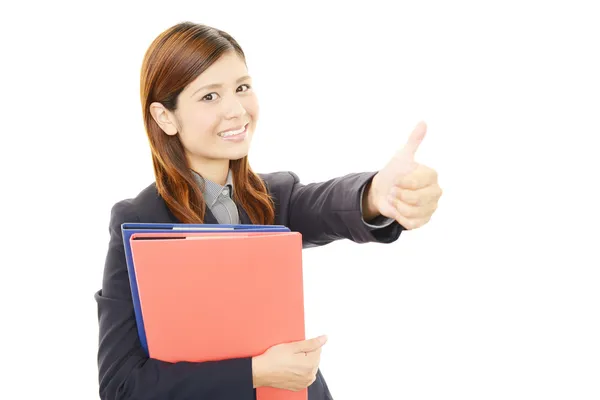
(310, 379)
(409, 197)
(410, 183)
(411, 212)
(408, 224)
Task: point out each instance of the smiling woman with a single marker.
(197, 101)
(200, 113)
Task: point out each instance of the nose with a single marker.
(234, 109)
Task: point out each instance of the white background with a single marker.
(498, 297)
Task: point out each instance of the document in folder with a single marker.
(215, 296)
(128, 229)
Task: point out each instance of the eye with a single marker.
(241, 86)
(210, 97)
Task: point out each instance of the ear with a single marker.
(164, 118)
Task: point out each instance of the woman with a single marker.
(200, 114)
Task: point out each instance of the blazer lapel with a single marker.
(209, 217)
(244, 218)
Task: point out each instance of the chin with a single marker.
(235, 158)
(236, 155)
(240, 150)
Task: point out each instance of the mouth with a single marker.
(235, 133)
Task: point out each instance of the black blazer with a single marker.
(321, 212)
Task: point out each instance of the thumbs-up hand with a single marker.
(404, 190)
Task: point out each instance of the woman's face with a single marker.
(216, 114)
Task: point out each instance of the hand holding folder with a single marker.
(291, 366)
(208, 296)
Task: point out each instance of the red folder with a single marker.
(215, 296)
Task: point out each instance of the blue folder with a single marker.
(128, 229)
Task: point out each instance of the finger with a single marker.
(422, 176)
(409, 223)
(311, 354)
(308, 362)
(313, 360)
(313, 375)
(310, 345)
(410, 211)
(414, 140)
(419, 197)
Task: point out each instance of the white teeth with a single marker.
(231, 133)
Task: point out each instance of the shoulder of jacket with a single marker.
(128, 210)
(279, 178)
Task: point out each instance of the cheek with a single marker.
(203, 123)
(251, 106)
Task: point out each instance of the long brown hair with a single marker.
(173, 60)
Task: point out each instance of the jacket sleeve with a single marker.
(125, 371)
(332, 210)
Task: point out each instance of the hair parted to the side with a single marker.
(173, 60)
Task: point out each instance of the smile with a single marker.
(233, 132)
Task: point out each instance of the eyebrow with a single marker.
(218, 85)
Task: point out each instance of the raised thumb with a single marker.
(414, 140)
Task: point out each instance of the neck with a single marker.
(215, 171)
